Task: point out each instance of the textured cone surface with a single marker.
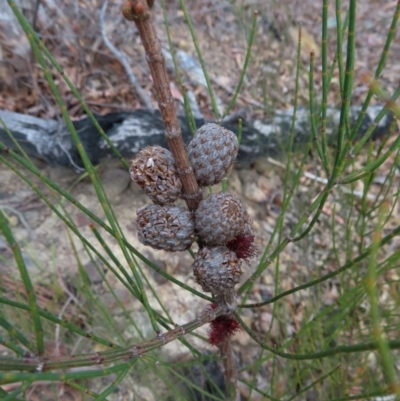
(212, 153)
(170, 228)
(220, 218)
(217, 269)
(154, 170)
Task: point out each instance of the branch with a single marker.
(34, 363)
(139, 12)
(230, 372)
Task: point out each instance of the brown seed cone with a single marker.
(170, 228)
(154, 170)
(217, 269)
(212, 153)
(220, 218)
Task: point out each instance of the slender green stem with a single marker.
(12, 396)
(379, 69)
(358, 259)
(288, 189)
(347, 89)
(246, 63)
(24, 273)
(314, 136)
(342, 349)
(69, 326)
(94, 299)
(199, 389)
(324, 196)
(264, 263)
(126, 313)
(357, 175)
(13, 346)
(325, 82)
(341, 30)
(240, 130)
(373, 395)
(360, 144)
(295, 101)
(371, 289)
(188, 110)
(339, 44)
(16, 334)
(80, 388)
(201, 59)
(112, 387)
(257, 390)
(311, 385)
(129, 283)
(12, 377)
(14, 141)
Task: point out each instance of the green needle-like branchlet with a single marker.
(25, 276)
(201, 59)
(246, 63)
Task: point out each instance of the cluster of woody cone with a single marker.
(221, 222)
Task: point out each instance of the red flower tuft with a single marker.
(243, 246)
(221, 328)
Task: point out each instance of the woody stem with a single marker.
(139, 12)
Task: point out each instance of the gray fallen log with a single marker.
(51, 141)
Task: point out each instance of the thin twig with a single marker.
(230, 373)
(139, 12)
(57, 331)
(124, 60)
(21, 218)
(322, 180)
(73, 164)
(104, 357)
